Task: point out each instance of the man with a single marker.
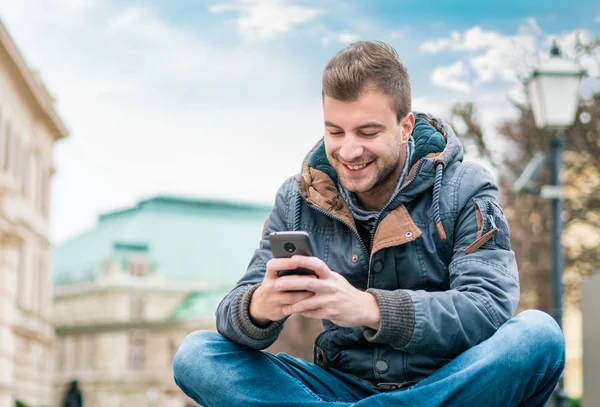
(417, 283)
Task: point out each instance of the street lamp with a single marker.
(553, 91)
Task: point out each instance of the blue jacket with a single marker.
(441, 267)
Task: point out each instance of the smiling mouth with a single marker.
(357, 167)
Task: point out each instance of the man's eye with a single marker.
(370, 134)
(336, 133)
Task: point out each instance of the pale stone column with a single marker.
(590, 309)
(9, 253)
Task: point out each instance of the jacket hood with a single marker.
(436, 147)
(435, 142)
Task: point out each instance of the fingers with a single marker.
(308, 304)
(292, 298)
(313, 263)
(274, 266)
(302, 283)
(307, 262)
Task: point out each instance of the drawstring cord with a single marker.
(297, 209)
(439, 169)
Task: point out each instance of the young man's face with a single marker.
(364, 141)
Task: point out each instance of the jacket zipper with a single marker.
(364, 248)
(490, 216)
(406, 184)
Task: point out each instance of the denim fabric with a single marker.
(518, 366)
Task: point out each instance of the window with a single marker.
(43, 190)
(137, 349)
(7, 147)
(36, 187)
(42, 283)
(69, 356)
(2, 137)
(46, 192)
(41, 195)
(138, 268)
(92, 352)
(22, 275)
(107, 268)
(16, 158)
(76, 353)
(25, 162)
(137, 308)
(62, 354)
(35, 281)
(84, 355)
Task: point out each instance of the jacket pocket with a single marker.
(319, 356)
(331, 347)
(492, 227)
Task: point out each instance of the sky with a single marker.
(221, 99)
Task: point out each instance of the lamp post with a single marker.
(553, 90)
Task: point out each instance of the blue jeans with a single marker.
(518, 366)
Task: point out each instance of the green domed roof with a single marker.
(187, 239)
(199, 304)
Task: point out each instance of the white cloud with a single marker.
(153, 108)
(328, 37)
(398, 34)
(568, 43)
(471, 40)
(531, 26)
(491, 55)
(436, 106)
(452, 77)
(348, 38)
(509, 58)
(492, 66)
(262, 20)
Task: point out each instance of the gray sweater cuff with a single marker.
(242, 318)
(397, 318)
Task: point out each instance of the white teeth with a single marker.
(357, 167)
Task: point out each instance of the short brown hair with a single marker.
(348, 73)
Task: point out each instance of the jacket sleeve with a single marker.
(484, 286)
(233, 317)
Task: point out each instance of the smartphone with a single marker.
(287, 244)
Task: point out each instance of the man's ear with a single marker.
(407, 124)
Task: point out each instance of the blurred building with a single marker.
(590, 308)
(128, 291)
(573, 330)
(29, 127)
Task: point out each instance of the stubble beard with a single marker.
(382, 176)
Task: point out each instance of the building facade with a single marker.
(119, 339)
(29, 127)
(128, 291)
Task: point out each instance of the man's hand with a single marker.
(268, 300)
(334, 297)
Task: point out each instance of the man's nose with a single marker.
(351, 148)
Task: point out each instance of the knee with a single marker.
(541, 335)
(193, 356)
